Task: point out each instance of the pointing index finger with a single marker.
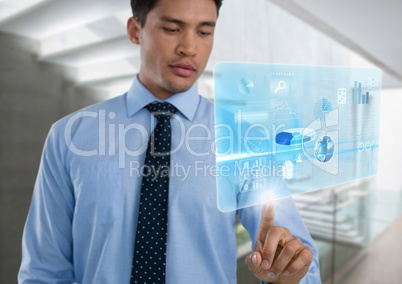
(267, 220)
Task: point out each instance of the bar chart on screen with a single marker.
(360, 97)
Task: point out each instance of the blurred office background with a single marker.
(58, 56)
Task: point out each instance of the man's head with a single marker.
(175, 38)
(141, 8)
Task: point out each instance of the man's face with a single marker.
(175, 44)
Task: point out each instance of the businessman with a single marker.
(125, 191)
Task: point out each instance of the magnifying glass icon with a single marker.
(281, 86)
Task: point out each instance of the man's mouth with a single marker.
(183, 69)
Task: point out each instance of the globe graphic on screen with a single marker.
(324, 149)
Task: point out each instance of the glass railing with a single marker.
(343, 222)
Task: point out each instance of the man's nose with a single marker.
(187, 45)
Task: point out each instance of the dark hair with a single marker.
(141, 8)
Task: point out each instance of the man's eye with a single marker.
(204, 33)
(169, 30)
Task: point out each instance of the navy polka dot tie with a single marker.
(150, 246)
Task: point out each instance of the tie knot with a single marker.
(161, 109)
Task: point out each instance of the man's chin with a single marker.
(180, 87)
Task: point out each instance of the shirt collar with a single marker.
(138, 97)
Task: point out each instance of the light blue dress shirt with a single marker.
(82, 221)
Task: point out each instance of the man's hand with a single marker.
(278, 257)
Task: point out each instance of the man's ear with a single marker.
(133, 30)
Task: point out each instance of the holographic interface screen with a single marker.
(290, 129)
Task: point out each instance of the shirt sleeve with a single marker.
(286, 215)
(47, 238)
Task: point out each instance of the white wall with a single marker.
(259, 31)
(389, 175)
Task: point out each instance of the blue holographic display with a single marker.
(290, 129)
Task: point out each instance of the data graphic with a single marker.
(358, 96)
(245, 86)
(289, 129)
(326, 105)
(341, 96)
